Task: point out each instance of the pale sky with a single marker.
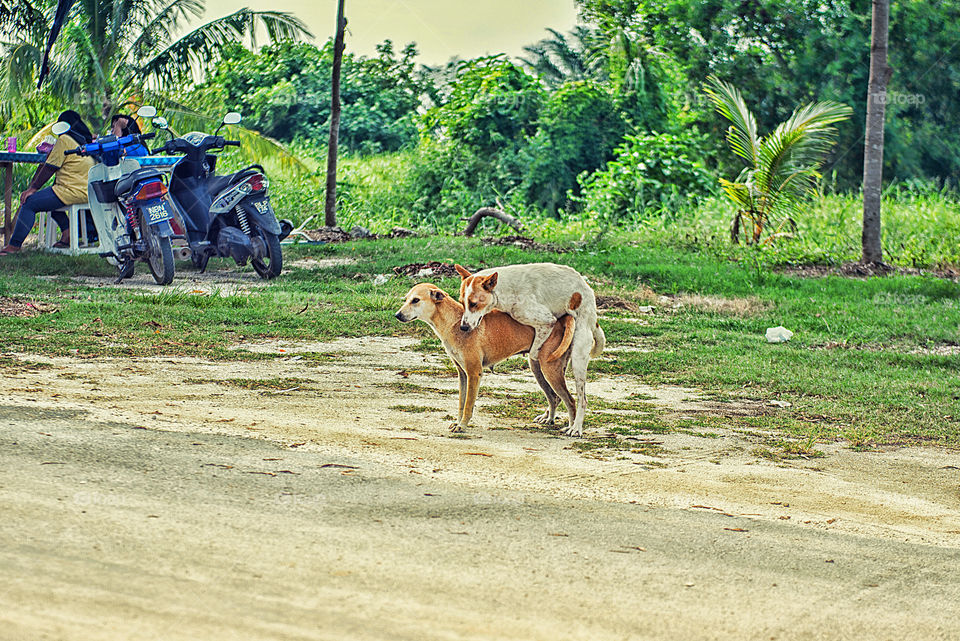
(441, 28)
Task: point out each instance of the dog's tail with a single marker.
(599, 341)
(568, 326)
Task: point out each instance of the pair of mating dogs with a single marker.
(545, 309)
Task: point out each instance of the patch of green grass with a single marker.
(9, 362)
(612, 444)
(434, 372)
(404, 387)
(872, 361)
(316, 358)
(428, 345)
(272, 384)
(415, 409)
(780, 450)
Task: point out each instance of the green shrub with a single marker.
(651, 175)
(283, 90)
(578, 128)
(493, 105)
(469, 151)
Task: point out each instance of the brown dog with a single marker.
(496, 338)
(538, 294)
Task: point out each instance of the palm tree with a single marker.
(563, 58)
(782, 168)
(112, 52)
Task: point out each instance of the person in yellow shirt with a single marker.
(69, 186)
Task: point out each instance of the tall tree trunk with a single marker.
(330, 207)
(873, 140)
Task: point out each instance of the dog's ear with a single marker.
(490, 282)
(464, 274)
(437, 295)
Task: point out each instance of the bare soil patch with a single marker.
(616, 302)
(319, 495)
(358, 396)
(427, 270)
(225, 280)
(338, 235)
(525, 243)
(23, 308)
(859, 270)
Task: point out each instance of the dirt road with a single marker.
(179, 499)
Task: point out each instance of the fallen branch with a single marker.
(492, 212)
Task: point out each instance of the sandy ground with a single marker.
(161, 499)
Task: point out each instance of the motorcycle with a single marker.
(227, 215)
(127, 204)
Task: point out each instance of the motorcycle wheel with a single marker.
(274, 258)
(159, 254)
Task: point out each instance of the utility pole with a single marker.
(880, 74)
(330, 207)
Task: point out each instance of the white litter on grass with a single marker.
(380, 279)
(423, 273)
(781, 404)
(645, 309)
(778, 334)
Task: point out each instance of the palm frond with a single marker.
(739, 193)
(742, 135)
(161, 27)
(17, 16)
(254, 146)
(18, 70)
(792, 154)
(563, 57)
(200, 49)
(816, 122)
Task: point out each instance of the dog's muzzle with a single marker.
(401, 317)
(464, 327)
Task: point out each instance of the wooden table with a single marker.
(6, 163)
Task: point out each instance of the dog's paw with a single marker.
(573, 431)
(456, 427)
(543, 419)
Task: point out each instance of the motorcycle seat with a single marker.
(216, 184)
(126, 183)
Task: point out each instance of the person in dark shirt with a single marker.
(123, 125)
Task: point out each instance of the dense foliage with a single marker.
(283, 91)
(782, 53)
(651, 175)
(111, 53)
(609, 124)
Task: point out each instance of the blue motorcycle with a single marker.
(128, 205)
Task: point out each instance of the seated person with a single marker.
(122, 125)
(69, 187)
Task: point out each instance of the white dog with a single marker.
(537, 295)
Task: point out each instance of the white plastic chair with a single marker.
(48, 232)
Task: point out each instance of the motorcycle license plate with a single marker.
(263, 206)
(157, 212)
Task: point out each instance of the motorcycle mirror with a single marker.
(232, 118)
(60, 128)
(160, 123)
(147, 111)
